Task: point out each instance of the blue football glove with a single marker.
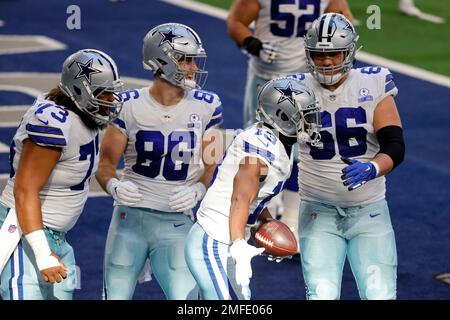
(357, 173)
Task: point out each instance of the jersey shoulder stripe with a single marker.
(252, 149)
(48, 124)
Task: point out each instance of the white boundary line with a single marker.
(19, 108)
(41, 43)
(26, 90)
(203, 8)
(12, 108)
(4, 148)
(11, 124)
(369, 58)
(405, 69)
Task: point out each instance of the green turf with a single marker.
(401, 38)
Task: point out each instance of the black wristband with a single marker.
(392, 143)
(252, 45)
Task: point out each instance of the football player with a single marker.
(276, 48)
(161, 134)
(53, 155)
(343, 211)
(252, 171)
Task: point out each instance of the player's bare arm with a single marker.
(210, 144)
(340, 6)
(242, 13)
(112, 147)
(245, 189)
(264, 217)
(35, 167)
(386, 114)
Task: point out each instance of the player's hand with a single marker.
(263, 218)
(242, 253)
(186, 197)
(357, 173)
(268, 52)
(53, 269)
(124, 192)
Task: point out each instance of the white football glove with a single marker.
(277, 259)
(124, 192)
(186, 197)
(268, 52)
(242, 253)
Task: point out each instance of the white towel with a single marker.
(146, 273)
(10, 234)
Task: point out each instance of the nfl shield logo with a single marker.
(12, 228)
(194, 117)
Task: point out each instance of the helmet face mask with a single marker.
(191, 73)
(329, 34)
(90, 78)
(290, 108)
(106, 104)
(175, 51)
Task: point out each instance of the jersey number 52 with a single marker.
(283, 18)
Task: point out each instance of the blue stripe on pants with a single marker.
(222, 270)
(11, 294)
(20, 279)
(210, 269)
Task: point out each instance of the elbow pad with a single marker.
(392, 143)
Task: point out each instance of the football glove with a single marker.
(242, 253)
(266, 51)
(186, 197)
(277, 259)
(358, 173)
(124, 192)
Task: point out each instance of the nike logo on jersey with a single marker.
(44, 122)
(265, 143)
(178, 225)
(374, 215)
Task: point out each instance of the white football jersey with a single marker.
(256, 141)
(164, 143)
(284, 25)
(66, 191)
(347, 131)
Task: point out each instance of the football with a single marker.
(276, 238)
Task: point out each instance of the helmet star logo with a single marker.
(168, 37)
(287, 93)
(86, 70)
